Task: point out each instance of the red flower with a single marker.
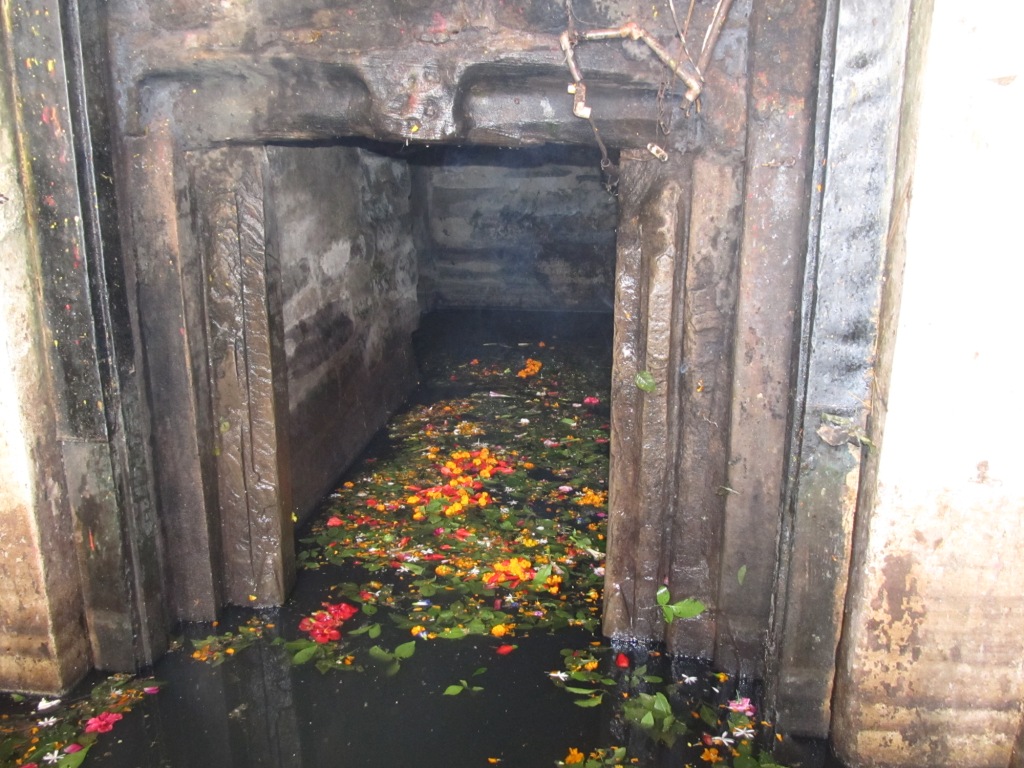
(102, 723)
(322, 626)
(505, 649)
(590, 400)
(334, 521)
(622, 661)
(341, 611)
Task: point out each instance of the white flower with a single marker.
(743, 733)
(46, 722)
(725, 739)
(45, 704)
(689, 680)
(563, 676)
(52, 757)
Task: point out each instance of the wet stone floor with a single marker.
(447, 608)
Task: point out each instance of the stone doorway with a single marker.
(717, 283)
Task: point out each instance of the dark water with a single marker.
(246, 703)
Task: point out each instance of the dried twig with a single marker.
(711, 36)
(685, 68)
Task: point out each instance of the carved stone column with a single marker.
(249, 399)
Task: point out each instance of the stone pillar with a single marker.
(245, 336)
(855, 161)
(92, 517)
(644, 421)
(782, 79)
(43, 643)
(930, 666)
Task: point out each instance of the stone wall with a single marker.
(527, 228)
(931, 666)
(348, 279)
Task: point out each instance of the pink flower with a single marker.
(590, 400)
(743, 706)
(151, 689)
(102, 723)
(72, 748)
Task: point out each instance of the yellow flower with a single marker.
(712, 756)
(574, 756)
(499, 630)
(417, 630)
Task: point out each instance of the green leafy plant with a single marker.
(684, 609)
(653, 713)
(216, 649)
(463, 685)
(393, 659)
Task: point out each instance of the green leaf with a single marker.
(75, 758)
(584, 691)
(543, 574)
(744, 761)
(661, 704)
(479, 671)
(662, 596)
(708, 715)
(645, 381)
(369, 609)
(453, 690)
(302, 656)
(378, 653)
(741, 574)
(647, 721)
(405, 650)
(688, 608)
(392, 670)
(592, 702)
(374, 631)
